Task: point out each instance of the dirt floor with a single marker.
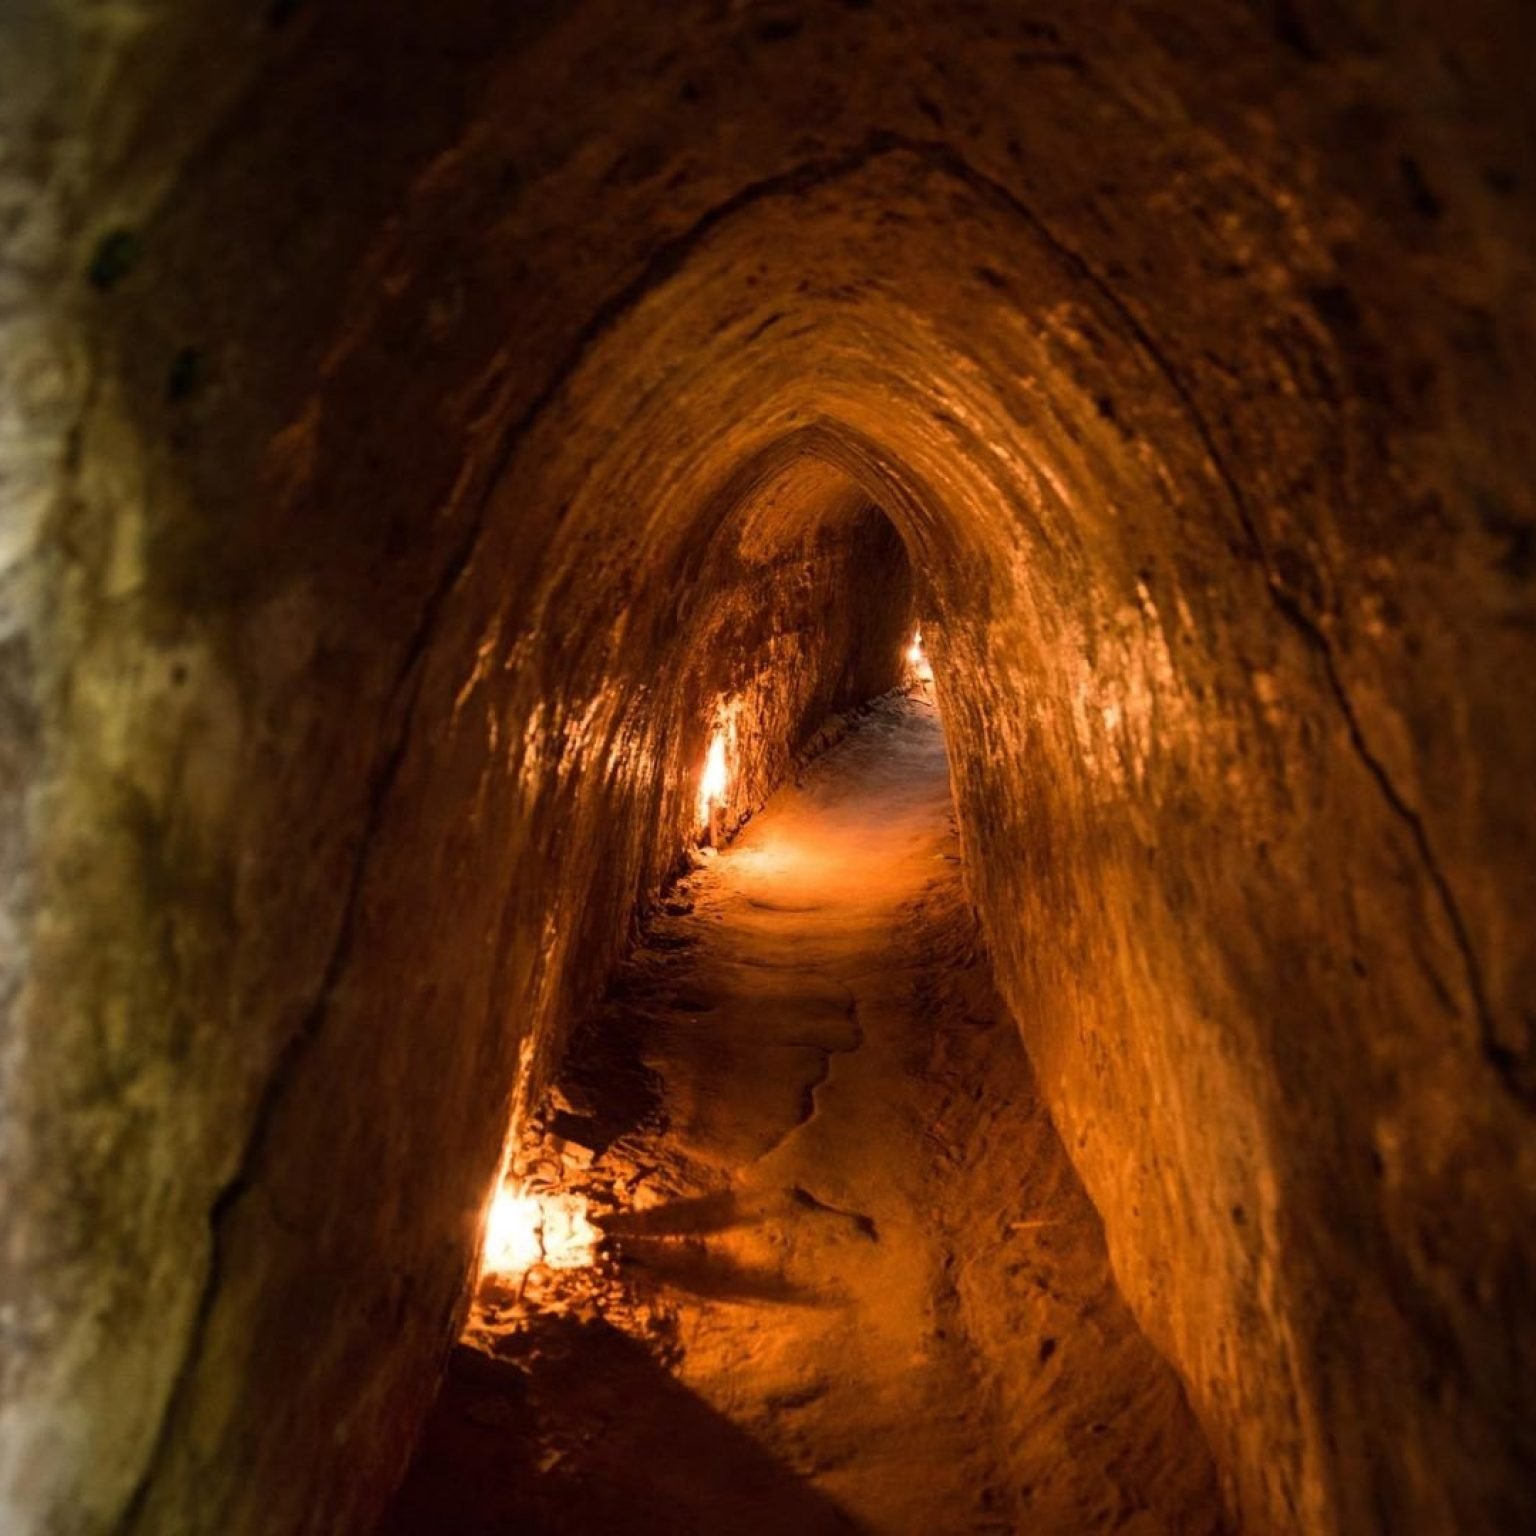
(850, 1281)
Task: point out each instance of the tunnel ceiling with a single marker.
(423, 418)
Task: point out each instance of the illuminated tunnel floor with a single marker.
(850, 1280)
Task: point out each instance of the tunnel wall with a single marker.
(363, 367)
(483, 812)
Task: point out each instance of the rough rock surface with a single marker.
(383, 388)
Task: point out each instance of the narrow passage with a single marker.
(852, 1281)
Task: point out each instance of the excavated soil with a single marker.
(849, 1280)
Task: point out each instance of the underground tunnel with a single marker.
(767, 766)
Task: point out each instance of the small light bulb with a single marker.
(713, 784)
(917, 659)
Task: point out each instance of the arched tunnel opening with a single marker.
(766, 766)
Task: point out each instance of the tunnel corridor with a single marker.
(792, 1120)
(470, 478)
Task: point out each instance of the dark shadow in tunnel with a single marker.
(719, 1211)
(609, 1089)
(581, 1430)
(666, 1266)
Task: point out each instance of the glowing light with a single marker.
(525, 1229)
(713, 784)
(917, 659)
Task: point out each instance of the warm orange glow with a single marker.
(525, 1229)
(712, 786)
(917, 659)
